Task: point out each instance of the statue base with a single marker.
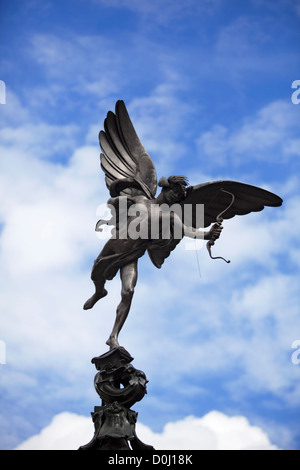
(119, 385)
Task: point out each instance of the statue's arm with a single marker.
(192, 232)
(212, 234)
(100, 222)
(118, 206)
(112, 204)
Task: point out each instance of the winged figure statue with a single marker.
(131, 179)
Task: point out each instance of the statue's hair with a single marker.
(173, 180)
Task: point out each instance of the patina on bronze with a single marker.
(131, 178)
(130, 172)
(119, 385)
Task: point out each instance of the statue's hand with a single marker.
(215, 232)
(99, 223)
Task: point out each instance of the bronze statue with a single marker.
(131, 178)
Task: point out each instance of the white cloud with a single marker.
(215, 431)
(47, 221)
(270, 131)
(159, 124)
(66, 431)
(243, 316)
(48, 213)
(47, 242)
(245, 313)
(13, 111)
(42, 139)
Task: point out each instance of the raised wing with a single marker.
(128, 167)
(247, 199)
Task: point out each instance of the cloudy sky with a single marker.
(208, 85)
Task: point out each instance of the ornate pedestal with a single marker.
(119, 385)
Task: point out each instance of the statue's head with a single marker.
(173, 188)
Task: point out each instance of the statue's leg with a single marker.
(100, 292)
(128, 278)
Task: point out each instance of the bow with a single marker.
(219, 221)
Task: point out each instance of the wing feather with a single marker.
(247, 199)
(115, 141)
(123, 155)
(112, 158)
(127, 132)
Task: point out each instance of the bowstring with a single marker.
(197, 257)
(195, 241)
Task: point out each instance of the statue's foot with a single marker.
(92, 300)
(112, 342)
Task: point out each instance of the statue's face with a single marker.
(174, 194)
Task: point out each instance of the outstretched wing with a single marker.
(127, 165)
(247, 199)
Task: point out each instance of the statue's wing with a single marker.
(247, 199)
(127, 165)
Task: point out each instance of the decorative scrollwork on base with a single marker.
(119, 385)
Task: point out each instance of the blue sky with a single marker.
(208, 87)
